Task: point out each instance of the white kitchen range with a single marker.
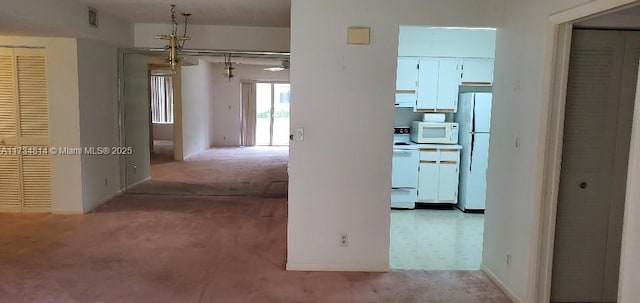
(440, 147)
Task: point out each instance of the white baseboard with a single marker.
(105, 200)
(66, 212)
(500, 284)
(338, 267)
(138, 183)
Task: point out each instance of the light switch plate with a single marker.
(358, 35)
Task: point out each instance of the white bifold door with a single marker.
(25, 166)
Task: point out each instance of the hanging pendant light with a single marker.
(176, 43)
(228, 67)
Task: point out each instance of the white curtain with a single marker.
(161, 99)
(248, 114)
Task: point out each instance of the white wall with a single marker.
(64, 18)
(240, 38)
(162, 131)
(514, 177)
(226, 103)
(98, 120)
(62, 77)
(446, 42)
(340, 175)
(135, 100)
(196, 95)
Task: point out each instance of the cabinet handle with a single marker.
(428, 150)
(476, 83)
(450, 150)
(448, 162)
(405, 91)
(429, 162)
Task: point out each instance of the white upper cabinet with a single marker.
(428, 83)
(477, 71)
(449, 84)
(407, 82)
(438, 84)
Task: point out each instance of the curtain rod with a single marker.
(209, 52)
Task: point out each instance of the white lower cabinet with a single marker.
(428, 181)
(438, 176)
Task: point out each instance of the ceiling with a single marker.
(268, 13)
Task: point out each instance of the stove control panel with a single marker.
(401, 130)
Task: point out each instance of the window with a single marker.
(161, 99)
(272, 113)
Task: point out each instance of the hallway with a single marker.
(205, 247)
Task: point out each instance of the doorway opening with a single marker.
(272, 114)
(441, 147)
(588, 164)
(185, 128)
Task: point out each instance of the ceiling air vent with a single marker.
(93, 17)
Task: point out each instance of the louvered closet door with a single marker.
(9, 163)
(25, 168)
(33, 120)
(586, 179)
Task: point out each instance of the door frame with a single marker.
(559, 34)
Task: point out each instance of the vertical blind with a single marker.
(161, 99)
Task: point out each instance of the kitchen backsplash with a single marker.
(404, 116)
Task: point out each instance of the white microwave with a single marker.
(434, 132)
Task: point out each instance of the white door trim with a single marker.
(627, 290)
(559, 30)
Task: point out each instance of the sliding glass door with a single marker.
(272, 114)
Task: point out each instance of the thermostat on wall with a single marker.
(358, 35)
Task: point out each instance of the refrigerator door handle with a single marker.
(473, 139)
(473, 114)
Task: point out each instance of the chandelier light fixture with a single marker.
(176, 43)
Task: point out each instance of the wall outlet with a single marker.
(508, 260)
(344, 240)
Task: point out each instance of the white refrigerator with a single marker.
(474, 118)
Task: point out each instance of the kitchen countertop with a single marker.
(414, 146)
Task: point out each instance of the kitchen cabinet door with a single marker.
(477, 71)
(448, 181)
(428, 84)
(428, 181)
(407, 82)
(449, 79)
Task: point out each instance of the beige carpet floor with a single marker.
(195, 248)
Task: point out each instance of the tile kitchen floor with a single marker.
(436, 239)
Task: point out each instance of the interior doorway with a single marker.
(442, 129)
(599, 71)
(591, 199)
